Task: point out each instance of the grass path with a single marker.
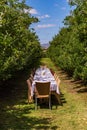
(17, 114)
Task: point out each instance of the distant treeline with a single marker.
(68, 49)
(19, 45)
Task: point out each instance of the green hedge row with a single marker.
(68, 49)
(19, 45)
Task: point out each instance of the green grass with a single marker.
(49, 63)
(17, 114)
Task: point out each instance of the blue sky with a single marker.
(51, 13)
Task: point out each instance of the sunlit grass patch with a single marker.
(49, 63)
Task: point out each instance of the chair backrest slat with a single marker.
(43, 88)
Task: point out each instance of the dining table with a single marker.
(45, 75)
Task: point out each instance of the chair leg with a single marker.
(29, 96)
(35, 103)
(59, 100)
(50, 102)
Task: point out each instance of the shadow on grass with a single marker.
(77, 85)
(63, 100)
(55, 100)
(16, 121)
(18, 118)
(14, 110)
(82, 90)
(80, 87)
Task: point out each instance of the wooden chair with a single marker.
(42, 90)
(58, 81)
(52, 72)
(55, 76)
(29, 83)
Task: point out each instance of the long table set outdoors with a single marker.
(45, 75)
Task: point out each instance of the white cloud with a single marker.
(44, 16)
(33, 11)
(67, 0)
(26, 10)
(63, 8)
(45, 26)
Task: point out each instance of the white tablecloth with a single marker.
(44, 75)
